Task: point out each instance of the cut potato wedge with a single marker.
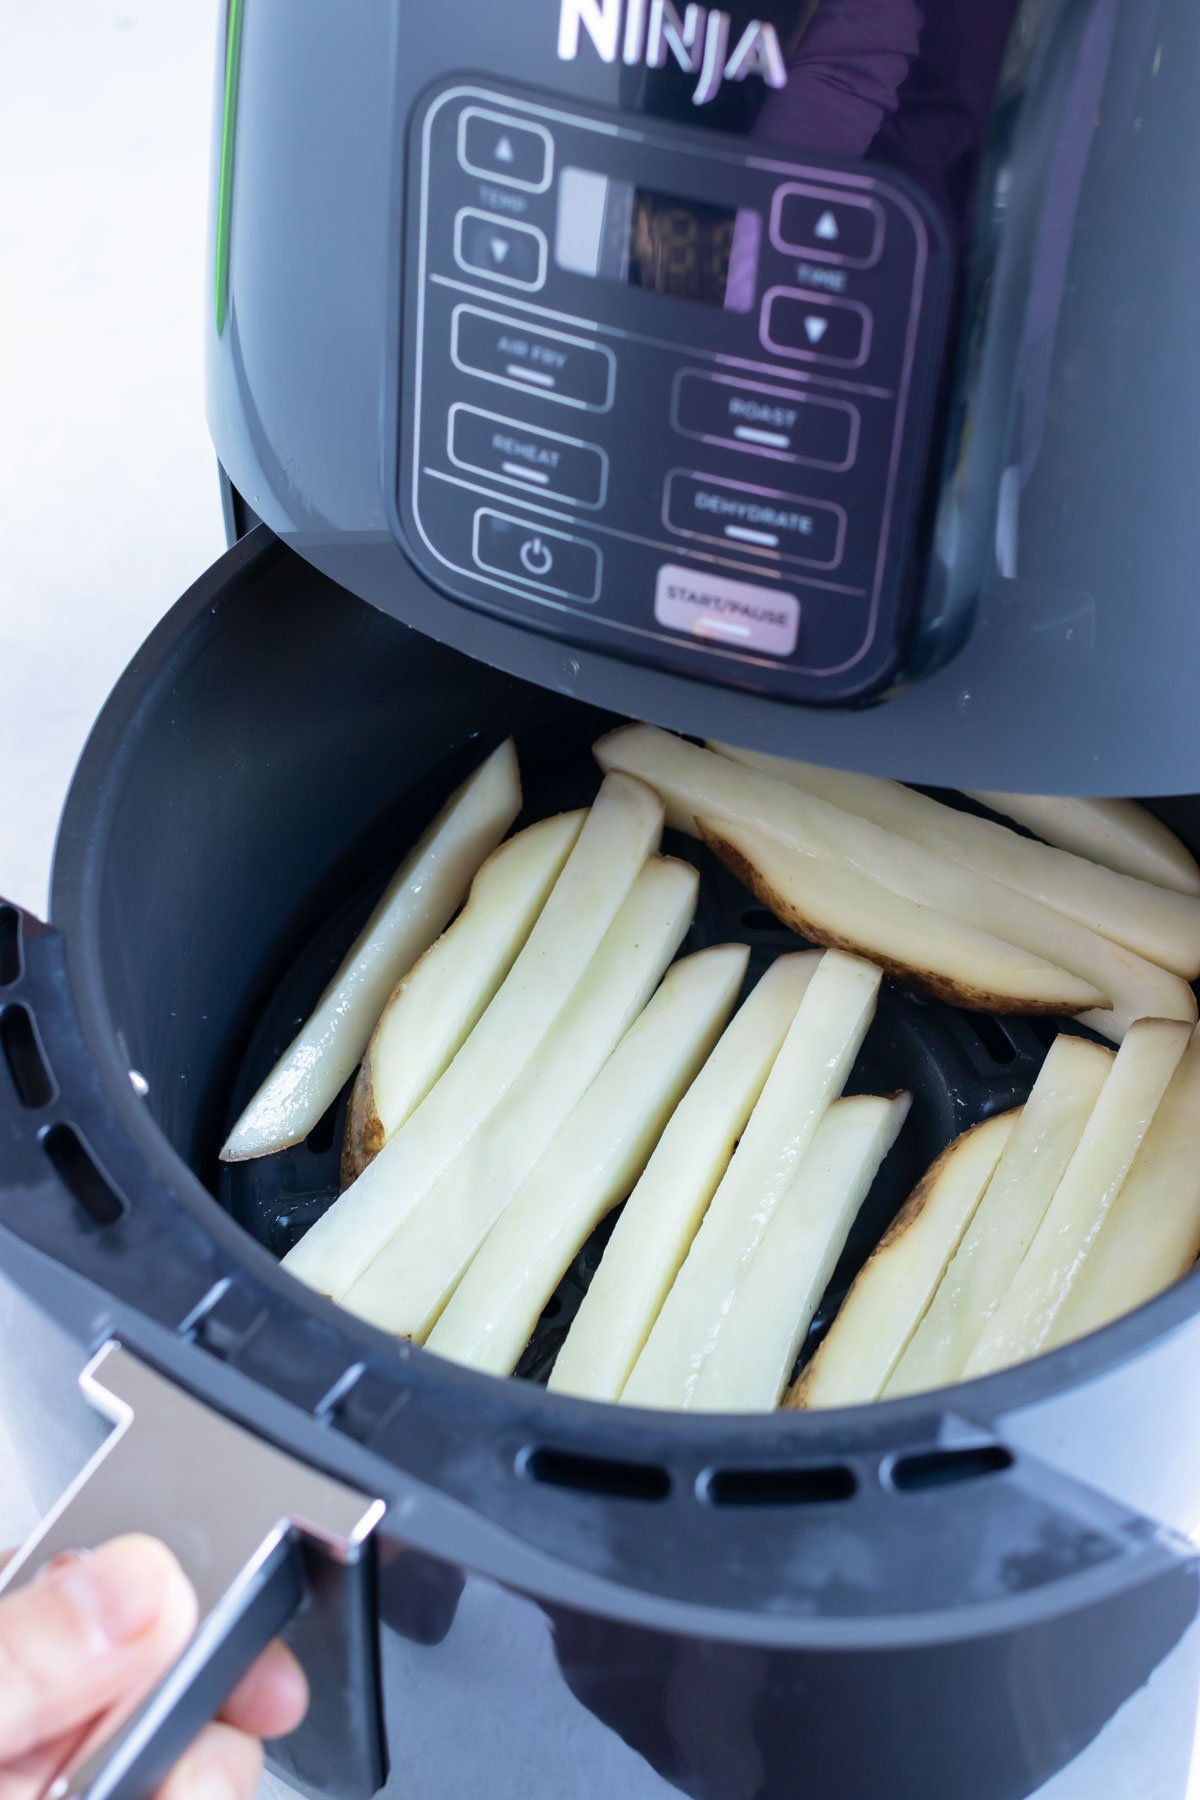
(1022, 1323)
(807, 1077)
(1136, 989)
(663, 1214)
(888, 1300)
(831, 904)
(1154, 922)
(1118, 833)
(753, 1357)
(1035, 1159)
(406, 1286)
(1151, 1237)
(692, 780)
(591, 1165)
(622, 829)
(436, 1005)
(421, 897)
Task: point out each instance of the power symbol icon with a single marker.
(536, 556)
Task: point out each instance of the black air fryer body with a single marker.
(498, 295)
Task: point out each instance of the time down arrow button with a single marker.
(814, 328)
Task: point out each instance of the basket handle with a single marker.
(238, 1513)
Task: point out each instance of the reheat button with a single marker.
(545, 462)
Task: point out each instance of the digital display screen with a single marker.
(680, 247)
(664, 243)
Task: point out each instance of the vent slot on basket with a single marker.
(995, 1039)
(780, 1487)
(948, 1468)
(10, 945)
(79, 1175)
(23, 1056)
(597, 1475)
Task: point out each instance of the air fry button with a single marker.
(737, 614)
(759, 519)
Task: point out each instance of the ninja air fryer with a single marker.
(822, 379)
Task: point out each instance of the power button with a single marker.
(556, 561)
(536, 555)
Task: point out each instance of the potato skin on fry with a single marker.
(928, 1190)
(938, 986)
(364, 1128)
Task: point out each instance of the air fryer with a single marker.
(964, 309)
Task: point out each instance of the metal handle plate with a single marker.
(236, 1511)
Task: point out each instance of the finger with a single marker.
(86, 1636)
(272, 1698)
(28, 1777)
(222, 1764)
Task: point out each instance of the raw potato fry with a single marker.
(888, 1300)
(407, 1285)
(1022, 1323)
(1118, 833)
(436, 1005)
(590, 1165)
(1047, 1135)
(691, 780)
(662, 1215)
(622, 829)
(754, 1355)
(1154, 922)
(833, 905)
(1151, 1237)
(421, 897)
(808, 1076)
(1137, 989)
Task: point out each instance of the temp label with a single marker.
(737, 613)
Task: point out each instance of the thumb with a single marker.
(87, 1636)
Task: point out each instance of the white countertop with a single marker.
(108, 491)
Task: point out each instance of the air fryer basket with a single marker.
(260, 769)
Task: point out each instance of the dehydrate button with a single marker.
(735, 514)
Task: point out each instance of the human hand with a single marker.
(83, 1644)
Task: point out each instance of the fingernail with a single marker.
(119, 1590)
(209, 1780)
(62, 1560)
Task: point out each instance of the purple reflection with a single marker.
(909, 82)
(741, 288)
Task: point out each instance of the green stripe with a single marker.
(233, 52)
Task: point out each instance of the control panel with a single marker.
(665, 394)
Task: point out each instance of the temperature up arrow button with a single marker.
(515, 152)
